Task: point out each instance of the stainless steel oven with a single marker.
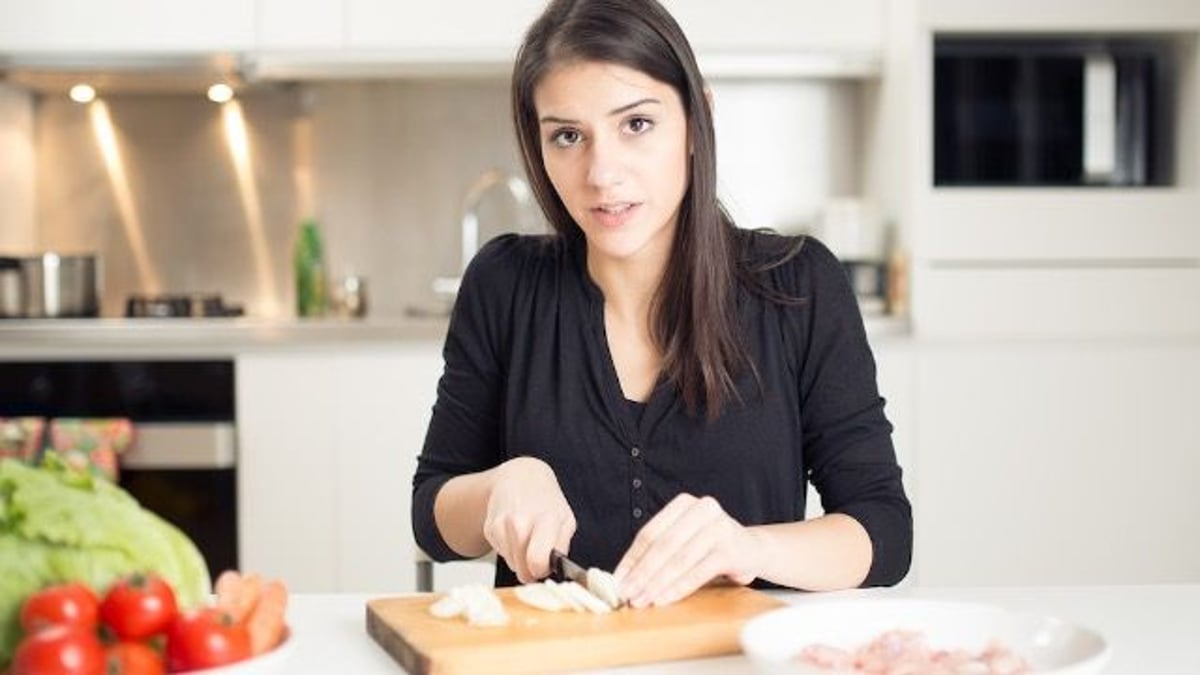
(183, 462)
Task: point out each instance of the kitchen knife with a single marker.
(563, 568)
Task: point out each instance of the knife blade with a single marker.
(563, 568)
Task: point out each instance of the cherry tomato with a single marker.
(71, 604)
(132, 658)
(59, 650)
(138, 606)
(204, 638)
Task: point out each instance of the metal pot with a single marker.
(53, 286)
(11, 302)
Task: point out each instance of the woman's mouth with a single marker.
(615, 214)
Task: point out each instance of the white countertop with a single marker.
(58, 338)
(1152, 630)
(150, 338)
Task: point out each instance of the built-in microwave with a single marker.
(1052, 110)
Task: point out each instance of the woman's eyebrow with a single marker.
(551, 119)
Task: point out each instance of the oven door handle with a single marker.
(182, 445)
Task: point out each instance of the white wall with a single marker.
(16, 171)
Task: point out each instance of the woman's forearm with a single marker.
(459, 510)
(832, 552)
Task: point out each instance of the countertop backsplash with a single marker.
(391, 161)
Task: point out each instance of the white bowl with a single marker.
(269, 663)
(774, 639)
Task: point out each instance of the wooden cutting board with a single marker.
(703, 625)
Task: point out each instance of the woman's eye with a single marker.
(565, 138)
(639, 125)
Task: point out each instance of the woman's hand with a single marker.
(527, 515)
(689, 543)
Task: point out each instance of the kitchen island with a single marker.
(1151, 630)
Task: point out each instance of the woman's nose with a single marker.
(604, 165)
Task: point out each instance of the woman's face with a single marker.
(615, 145)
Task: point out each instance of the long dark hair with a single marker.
(693, 314)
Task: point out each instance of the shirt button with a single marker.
(635, 452)
(637, 513)
(637, 483)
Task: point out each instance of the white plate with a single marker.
(772, 640)
(270, 663)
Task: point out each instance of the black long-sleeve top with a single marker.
(528, 372)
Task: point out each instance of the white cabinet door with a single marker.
(288, 469)
(467, 27)
(780, 25)
(328, 445)
(1063, 15)
(1058, 463)
(895, 364)
(383, 410)
(130, 26)
(301, 24)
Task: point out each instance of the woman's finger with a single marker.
(695, 577)
(518, 545)
(543, 537)
(693, 539)
(673, 551)
(661, 522)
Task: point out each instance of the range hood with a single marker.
(368, 64)
(121, 73)
(159, 73)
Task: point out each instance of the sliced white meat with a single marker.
(446, 607)
(564, 596)
(603, 585)
(479, 604)
(581, 595)
(541, 596)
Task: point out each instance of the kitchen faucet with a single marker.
(469, 224)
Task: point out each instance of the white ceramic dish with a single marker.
(271, 663)
(1049, 645)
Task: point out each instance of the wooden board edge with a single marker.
(394, 644)
(557, 656)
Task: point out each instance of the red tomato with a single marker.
(59, 650)
(138, 606)
(204, 638)
(71, 604)
(132, 658)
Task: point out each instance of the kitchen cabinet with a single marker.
(780, 25)
(327, 448)
(1027, 462)
(779, 38)
(288, 468)
(300, 24)
(1075, 300)
(1073, 15)
(127, 26)
(453, 28)
(1057, 462)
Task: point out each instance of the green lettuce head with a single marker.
(58, 525)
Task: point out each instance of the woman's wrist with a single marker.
(758, 546)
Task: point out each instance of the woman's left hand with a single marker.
(685, 546)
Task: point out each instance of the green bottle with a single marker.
(310, 270)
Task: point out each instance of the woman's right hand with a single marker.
(527, 516)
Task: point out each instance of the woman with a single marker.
(651, 388)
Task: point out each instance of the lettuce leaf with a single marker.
(57, 525)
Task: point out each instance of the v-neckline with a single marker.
(635, 429)
(614, 397)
